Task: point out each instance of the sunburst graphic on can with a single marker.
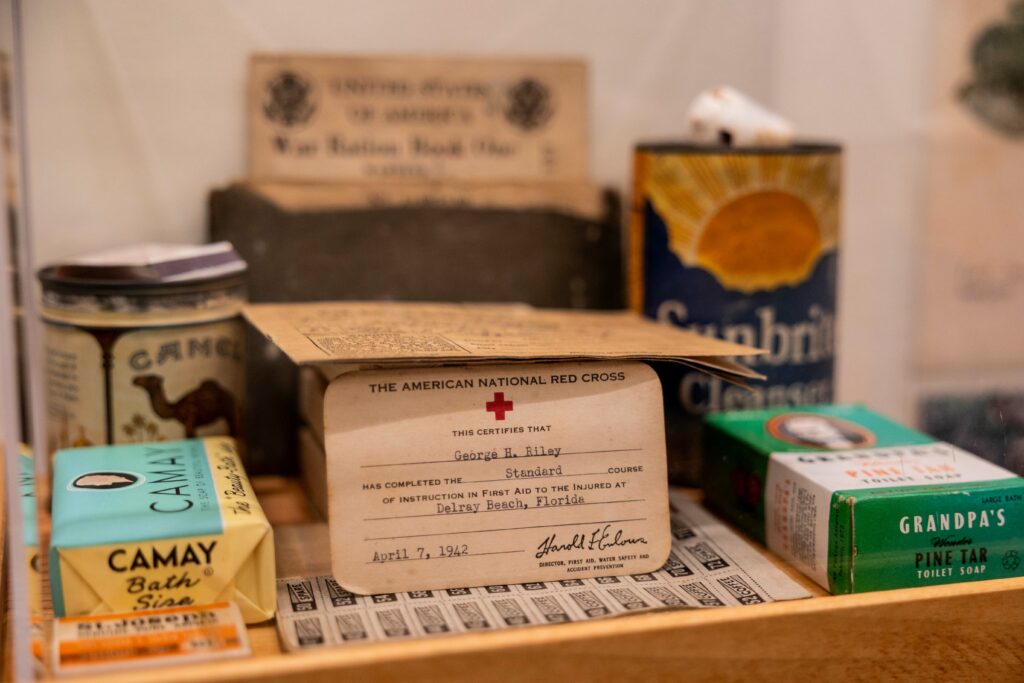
(755, 222)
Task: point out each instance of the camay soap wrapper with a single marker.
(30, 524)
(859, 503)
(158, 525)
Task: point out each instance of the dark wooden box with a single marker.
(540, 256)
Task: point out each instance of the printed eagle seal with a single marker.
(290, 99)
(529, 104)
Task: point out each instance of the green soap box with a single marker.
(860, 503)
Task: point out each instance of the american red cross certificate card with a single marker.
(474, 475)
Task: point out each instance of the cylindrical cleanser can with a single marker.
(739, 243)
(144, 344)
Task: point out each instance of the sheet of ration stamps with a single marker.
(709, 566)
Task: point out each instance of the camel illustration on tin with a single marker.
(204, 405)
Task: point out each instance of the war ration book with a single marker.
(470, 445)
(414, 119)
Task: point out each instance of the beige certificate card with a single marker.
(466, 476)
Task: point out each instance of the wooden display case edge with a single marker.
(958, 630)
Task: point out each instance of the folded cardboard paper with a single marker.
(859, 502)
(312, 387)
(320, 117)
(465, 476)
(381, 334)
(313, 469)
(155, 525)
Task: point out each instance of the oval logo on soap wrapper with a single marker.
(106, 481)
(814, 430)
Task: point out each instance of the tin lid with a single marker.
(148, 267)
(682, 147)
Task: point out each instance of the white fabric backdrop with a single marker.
(135, 110)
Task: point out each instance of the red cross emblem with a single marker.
(499, 406)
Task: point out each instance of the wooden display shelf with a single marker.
(955, 632)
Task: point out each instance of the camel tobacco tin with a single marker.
(144, 343)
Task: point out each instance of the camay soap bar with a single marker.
(860, 503)
(158, 525)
